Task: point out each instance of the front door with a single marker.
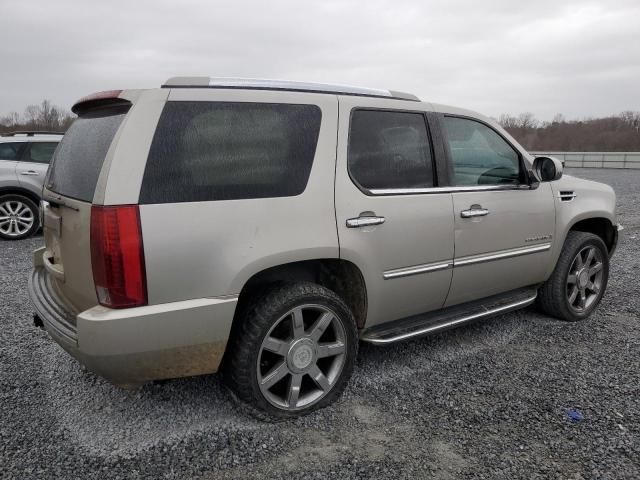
(503, 228)
(391, 223)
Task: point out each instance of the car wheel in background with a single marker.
(18, 217)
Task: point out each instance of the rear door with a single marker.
(503, 228)
(9, 154)
(33, 164)
(392, 221)
(69, 191)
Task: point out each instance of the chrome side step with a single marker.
(450, 317)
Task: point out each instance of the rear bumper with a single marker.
(137, 345)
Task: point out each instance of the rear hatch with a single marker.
(68, 194)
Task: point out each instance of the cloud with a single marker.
(576, 57)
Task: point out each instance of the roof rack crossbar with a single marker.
(31, 133)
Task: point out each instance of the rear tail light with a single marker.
(117, 256)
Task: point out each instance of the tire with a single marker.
(19, 217)
(561, 296)
(287, 377)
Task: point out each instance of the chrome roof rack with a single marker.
(287, 85)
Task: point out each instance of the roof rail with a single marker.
(30, 133)
(286, 85)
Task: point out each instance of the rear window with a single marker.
(78, 160)
(205, 151)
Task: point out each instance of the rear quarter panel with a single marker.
(207, 249)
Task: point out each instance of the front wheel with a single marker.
(293, 353)
(579, 280)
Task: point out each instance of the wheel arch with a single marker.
(600, 226)
(340, 276)
(21, 191)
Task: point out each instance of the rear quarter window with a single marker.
(206, 151)
(78, 160)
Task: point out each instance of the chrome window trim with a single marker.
(501, 254)
(417, 269)
(463, 261)
(470, 188)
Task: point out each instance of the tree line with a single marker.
(43, 117)
(618, 133)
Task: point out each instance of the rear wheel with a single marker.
(18, 217)
(293, 353)
(579, 280)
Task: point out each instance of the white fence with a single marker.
(595, 159)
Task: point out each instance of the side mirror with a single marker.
(547, 169)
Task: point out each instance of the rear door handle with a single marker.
(366, 219)
(474, 211)
(29, 172)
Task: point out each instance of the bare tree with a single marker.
(10, 120)
(507, 121)
(45, 116)
(527, 120)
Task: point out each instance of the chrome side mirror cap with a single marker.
(547, 169)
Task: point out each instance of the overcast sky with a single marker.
(581, 58)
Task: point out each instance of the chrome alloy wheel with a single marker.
(301, 357)
(16, 218)
(585, 279)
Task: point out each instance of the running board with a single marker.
(449, 317)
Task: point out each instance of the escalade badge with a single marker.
(539, 239)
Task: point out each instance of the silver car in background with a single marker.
(24, 159)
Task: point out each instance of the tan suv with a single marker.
(265, 228)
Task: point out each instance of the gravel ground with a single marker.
(490, 400)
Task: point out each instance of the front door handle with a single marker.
(474, 211)
(29, 172)
(366, 219)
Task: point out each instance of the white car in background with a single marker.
(24, 159)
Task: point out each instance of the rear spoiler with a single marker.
(108, 98)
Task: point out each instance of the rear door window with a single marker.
(39, 152)
(78, 160)
(389, 150)
(11, 150)
(205, 151)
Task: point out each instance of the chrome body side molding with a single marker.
(434, 267)
(513, 252)
(417, 269)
